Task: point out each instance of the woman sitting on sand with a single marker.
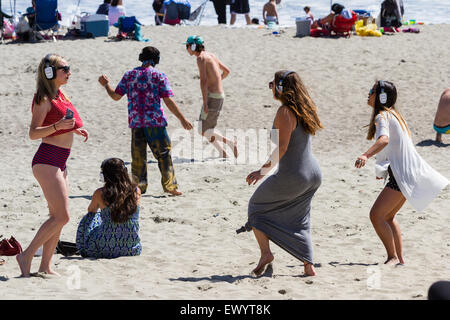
(336, 9)
(112, 232)
(279, 210)
(410, 177)
(55, 120)
(116, 10)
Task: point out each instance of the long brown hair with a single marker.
(119, 192)
(46, 88)
(389, 106)
(295, 96)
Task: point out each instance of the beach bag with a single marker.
(390, 14)
(23, 25)
(67, 249)
(8, 28)
(10, 247)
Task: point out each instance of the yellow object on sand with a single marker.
(366, 31)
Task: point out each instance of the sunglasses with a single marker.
(66, 69)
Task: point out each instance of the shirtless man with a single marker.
(442, 119)
(270, 13)
(212, 72)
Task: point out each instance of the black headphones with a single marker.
(143, 58)
(49, 70)
(279, 86)
(382, 96)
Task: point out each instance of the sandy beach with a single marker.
(190, 247)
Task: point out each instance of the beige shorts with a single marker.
(215, 103)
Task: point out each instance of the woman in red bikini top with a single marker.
(55, 120)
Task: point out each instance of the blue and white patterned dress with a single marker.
(100, 237)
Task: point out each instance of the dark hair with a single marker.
(107, 1)
(296, 97)
(119, 192)
(149, 53)
(255, 21)
(306, 8)
(389, 106)
(114, 3)
(337, 8)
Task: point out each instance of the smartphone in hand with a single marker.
(69, 114)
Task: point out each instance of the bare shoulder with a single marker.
(98, 194)
(45, 105)
(285, 115)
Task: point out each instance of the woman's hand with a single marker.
(361, 161)
(82, 132)
(254, 177)
(65, 124)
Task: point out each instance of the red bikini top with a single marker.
(58, 111)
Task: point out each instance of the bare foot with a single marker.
(49, 272)
(175, 192)
(391, 261)
(263, 262)
(309, 270)
(24, 264)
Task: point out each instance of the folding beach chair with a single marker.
(196, 16)
(338, 28)
(46, 19)
(342, 26)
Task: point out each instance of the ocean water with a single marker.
(427, 11)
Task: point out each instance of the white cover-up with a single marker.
(417, 180)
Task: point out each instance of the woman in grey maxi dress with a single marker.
(279, 210)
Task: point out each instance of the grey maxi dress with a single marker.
(281, 205)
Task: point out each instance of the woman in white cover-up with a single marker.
(410, 177)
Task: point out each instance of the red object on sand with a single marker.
(340, 27)
(10, 247)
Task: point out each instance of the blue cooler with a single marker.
(95, 25)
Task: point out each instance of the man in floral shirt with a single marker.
(145, 86)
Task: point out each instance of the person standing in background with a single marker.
(240, 7)
(220, 6)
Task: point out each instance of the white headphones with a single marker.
(383, 95)
(49, 70)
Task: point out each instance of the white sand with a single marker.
(193, 251)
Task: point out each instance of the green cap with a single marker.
(194, 39)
